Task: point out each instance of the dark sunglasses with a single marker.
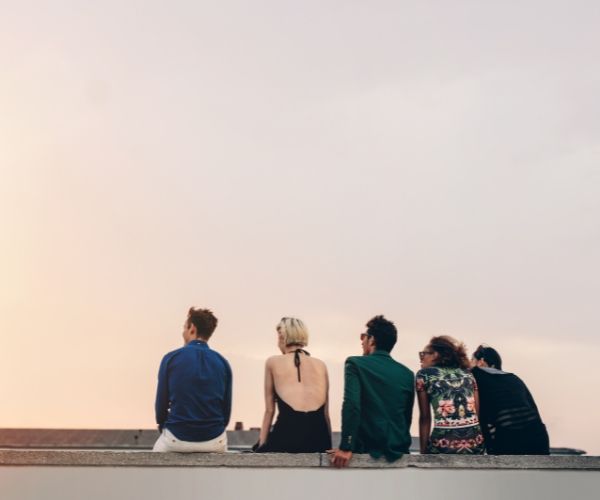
(422, 354)
(364, 335)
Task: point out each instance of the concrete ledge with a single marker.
(531, 462)
(79, 458)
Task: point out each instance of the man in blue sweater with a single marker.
(193, 397)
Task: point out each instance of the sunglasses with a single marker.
(365, 335)
(422, 354)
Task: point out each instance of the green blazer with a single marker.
(378, 404)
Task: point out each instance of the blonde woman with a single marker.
(298, 383)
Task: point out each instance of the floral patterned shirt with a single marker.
(451, 393)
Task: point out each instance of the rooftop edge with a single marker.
(90, 458)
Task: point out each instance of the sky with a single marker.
(435, 162)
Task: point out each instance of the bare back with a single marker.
(308, 394)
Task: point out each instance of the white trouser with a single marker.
(168, 442)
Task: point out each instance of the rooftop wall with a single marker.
(102, 475)
(287, 460)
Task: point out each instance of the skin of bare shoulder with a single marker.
(305, 396)
(282, 359)
(277, 361)
(320, 365)
(273, 359)
(319, 362)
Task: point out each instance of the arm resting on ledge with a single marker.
(424, 420)
(269, 405)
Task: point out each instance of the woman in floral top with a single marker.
(445, 384)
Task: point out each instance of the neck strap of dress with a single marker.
(297, 360)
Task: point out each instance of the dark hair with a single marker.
(383, 331)
(489, 355)
(204, 321)
(451, 352)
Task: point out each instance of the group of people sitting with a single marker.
(473, 406)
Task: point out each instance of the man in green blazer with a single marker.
(378, 399)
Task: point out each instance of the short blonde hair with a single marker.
(294, 332)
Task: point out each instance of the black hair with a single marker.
(489, 355)
(383, 331)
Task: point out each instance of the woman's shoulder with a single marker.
(457, 372)
(321, 366)
(317, 361)
(275, 359)
(462, 376)
(428, 372)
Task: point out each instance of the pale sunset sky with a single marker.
(437, 162)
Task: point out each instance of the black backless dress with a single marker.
(297, 431)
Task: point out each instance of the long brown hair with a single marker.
(451, 352)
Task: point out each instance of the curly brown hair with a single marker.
(451, 352)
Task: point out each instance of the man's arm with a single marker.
(161, 406)
(351, 409)
(409, 407)
(528, 395)
(351, 413)
(227, 398)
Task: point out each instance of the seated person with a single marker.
(378, 399)
(509, 417)
(299, 384)
(445, 382)
(193, 397)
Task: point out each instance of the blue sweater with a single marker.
(193, 397)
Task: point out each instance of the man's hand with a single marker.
(339, 458)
